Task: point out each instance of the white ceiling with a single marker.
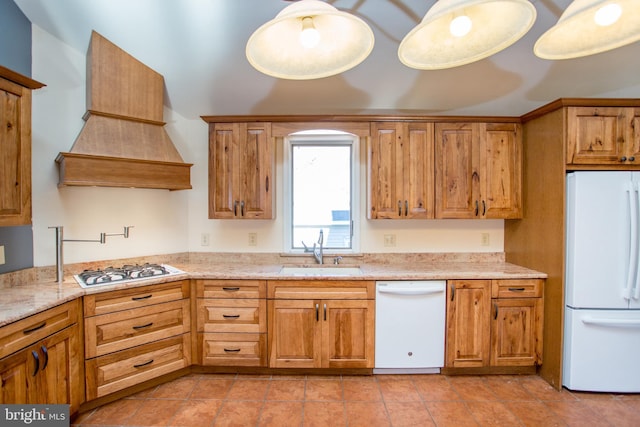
(198, 46)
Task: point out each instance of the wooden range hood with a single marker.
(123, 142)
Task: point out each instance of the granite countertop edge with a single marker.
(26, 296)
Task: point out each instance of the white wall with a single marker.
(169, 222)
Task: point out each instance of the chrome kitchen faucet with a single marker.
(317, 253)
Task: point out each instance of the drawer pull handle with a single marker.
(45, 353)
(231, 316)
(516, 289)
(231, 289)
(36, 359)
(35, 328)
(143, 364)
(495, 316)
(142, 326)
(141, 298)
(232, 350)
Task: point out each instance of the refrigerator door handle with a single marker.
(636, 188)
(632, 192)
(624, 323)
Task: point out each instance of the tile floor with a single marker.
(381, 400)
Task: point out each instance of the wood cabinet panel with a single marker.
(232, 315)
(516, 332)
(400, 166)
(347, 333)
(126, 299)
(241, 164)
(116, 331)
(294, 339)
(117, 371)
(231, 288)
(233, 349)
(468, 329)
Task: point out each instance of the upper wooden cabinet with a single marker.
(15, 147)
(400, 160)
(603, 136)
(478, 170)
(241, 166)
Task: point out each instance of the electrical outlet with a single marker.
(389, 240)
(253, 239)
(204, 239)
(2, 260)
(484, 239)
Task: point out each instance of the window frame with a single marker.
(321, 137)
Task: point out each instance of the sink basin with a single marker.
(320, 271)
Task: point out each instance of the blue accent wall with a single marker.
(15, 54)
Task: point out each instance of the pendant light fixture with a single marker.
(309, 39)
(588, 27)
(458, 32)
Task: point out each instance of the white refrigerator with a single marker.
(602, 297)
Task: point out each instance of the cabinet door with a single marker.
(516, 332)
(15, 152)
(500, 171)
(596, 135)
(294, 334)
(468, 328)
(385, 171)
(47, 372)
(456, 176)
(417, 160)
(347, 333)
(255, 182)
(223, 169)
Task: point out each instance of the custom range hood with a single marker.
(123, 142)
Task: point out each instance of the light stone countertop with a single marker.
(30, 291)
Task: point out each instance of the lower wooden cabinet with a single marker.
(49, 370)
(494, 323)
(232, 322)
(134, 335)
(328, 325)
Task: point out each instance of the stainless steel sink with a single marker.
(320, 271)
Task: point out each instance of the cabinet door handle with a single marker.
(453, 291)
(231, 316)
(495, 307)
(399, 207)
(406, 208)
(266, 184)
(242, 208)
(232, 350)
(516, 289)
(235, 208)
(231, 289)
(36, 360)
(143, 364)
(317, 312)
(142, 326)
(623, 159)
(45, 353)
(477, 208)
(35, 328)
(141, 298)
(632, 159)
(484, 208)
(325, 312)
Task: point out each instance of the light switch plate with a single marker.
(2, 261)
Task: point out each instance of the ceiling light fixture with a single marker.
(490, 26)
(309, 39)
(588, 27)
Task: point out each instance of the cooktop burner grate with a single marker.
(124, 274)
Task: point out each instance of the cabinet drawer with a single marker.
(126, 299)
(321, 290)
(112, 332)
(117, 371)
(521, 288)
(233, 349)
(27, 331)
(230, 288)
(230, 315)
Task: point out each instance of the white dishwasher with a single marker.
(410, 323)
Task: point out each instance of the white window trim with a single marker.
(325, 137)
